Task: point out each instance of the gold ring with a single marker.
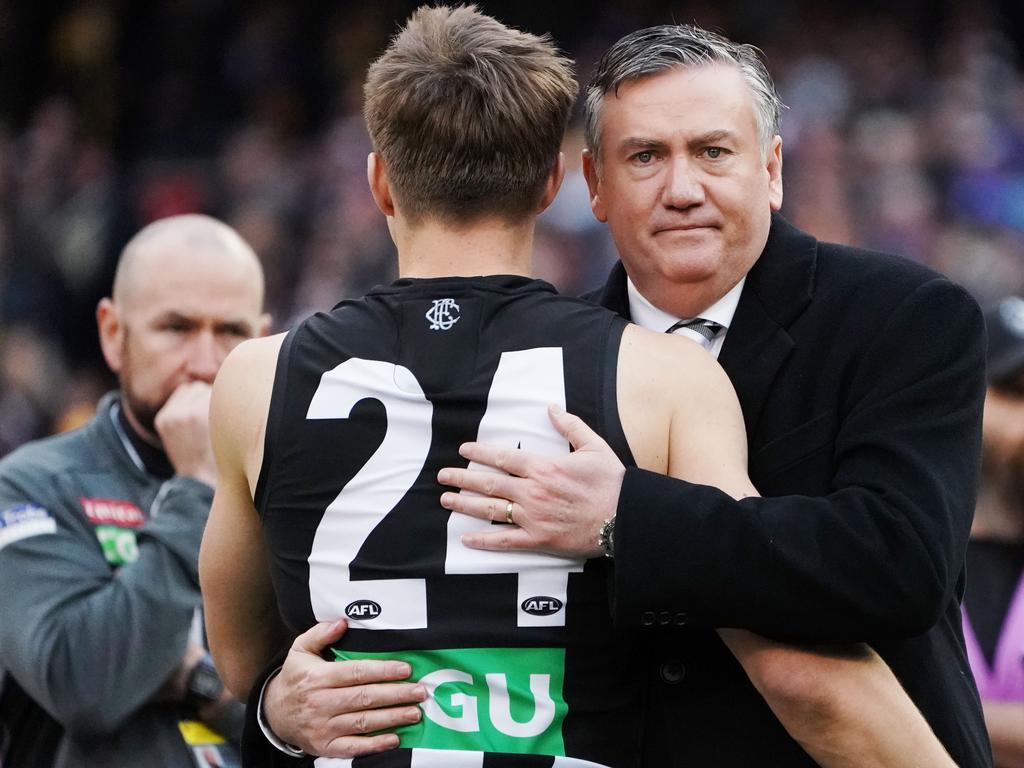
(508, 514)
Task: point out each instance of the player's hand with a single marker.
(325, 707)
(183, 425)
(558, 504)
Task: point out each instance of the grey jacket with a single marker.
(98, 591)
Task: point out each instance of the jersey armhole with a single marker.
(608, 405)
(274, 416)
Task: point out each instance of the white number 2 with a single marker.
(516, 415)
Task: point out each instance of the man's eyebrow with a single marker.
(234, 325)
(242, 327)
(711, 137)
(700, 140)
(641, 142)
(170, 316)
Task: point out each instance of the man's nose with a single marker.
(204, 357)
(683, 185)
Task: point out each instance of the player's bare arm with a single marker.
(244, 629)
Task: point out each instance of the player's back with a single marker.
(369, 402)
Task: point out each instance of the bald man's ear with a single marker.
(111, 334)
(263, 326)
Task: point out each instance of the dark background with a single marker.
(905, 132)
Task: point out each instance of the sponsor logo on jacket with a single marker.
(123, 514)
(23, 521)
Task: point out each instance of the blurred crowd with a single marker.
(904, 133)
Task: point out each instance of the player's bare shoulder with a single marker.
(241, 401)
(652, 365)
(660, 377)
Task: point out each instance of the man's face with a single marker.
(178, 323)
(684, 185)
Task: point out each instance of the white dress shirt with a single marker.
(649, 316)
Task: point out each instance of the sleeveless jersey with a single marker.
(515, 649)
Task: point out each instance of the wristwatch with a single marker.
(606, 537)
(204, 685)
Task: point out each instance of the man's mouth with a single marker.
(687, 227)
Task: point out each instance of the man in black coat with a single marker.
(861, 378)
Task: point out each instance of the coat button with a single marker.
(665, 618)
(673, 671)
(680, 620)
(647, 618)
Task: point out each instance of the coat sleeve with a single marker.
(257, 750)
(881, 554)
(89, 644)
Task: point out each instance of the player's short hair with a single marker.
(467, 114)
(658, 49)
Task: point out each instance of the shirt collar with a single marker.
(145, 456)
(649, 316)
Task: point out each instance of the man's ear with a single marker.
(593, 177)
(380, 186)
(263, 325)
(774, 168)
(553, 184)
(111, 329)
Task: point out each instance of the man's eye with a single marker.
(643, 157)
(714, 152)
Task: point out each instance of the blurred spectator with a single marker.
(994, 603)
(905, 132)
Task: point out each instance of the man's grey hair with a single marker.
(657, 49)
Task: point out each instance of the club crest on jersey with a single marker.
(443, 315)
(542, 605)
(362, 609)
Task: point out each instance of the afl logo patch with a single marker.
(362, 609)
(541, 605)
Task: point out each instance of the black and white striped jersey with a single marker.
(370, 400)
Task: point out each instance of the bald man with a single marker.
(102, 658)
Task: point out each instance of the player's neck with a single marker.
(491, 247)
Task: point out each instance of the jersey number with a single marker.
(516, 416)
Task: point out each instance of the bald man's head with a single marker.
(171, 239)
(188, 289)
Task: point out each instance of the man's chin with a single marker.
(142, 417)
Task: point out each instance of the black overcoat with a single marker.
(861, 379)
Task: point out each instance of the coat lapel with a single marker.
(778, 289)
(613, 294)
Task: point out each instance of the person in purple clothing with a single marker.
(994, 605)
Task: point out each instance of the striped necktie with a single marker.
(700, 330)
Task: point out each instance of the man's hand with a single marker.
(323, 707)
(558, 505)
(177, 683)
(183, 425)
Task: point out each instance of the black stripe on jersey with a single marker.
(402, 758)
(276, 413)
(611, 424)
(492, 760)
